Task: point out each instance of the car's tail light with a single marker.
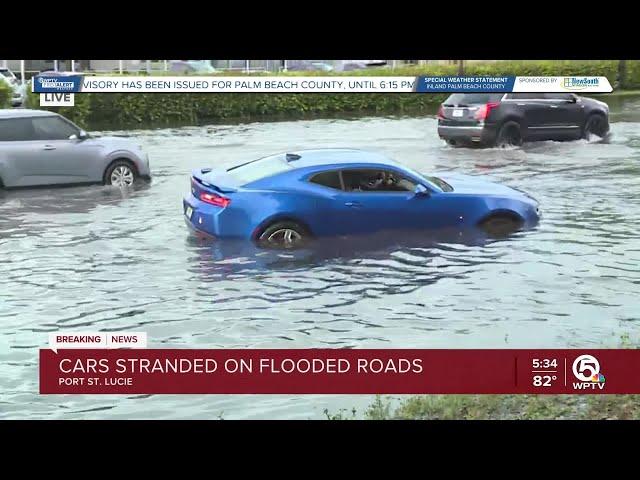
(441, 112)
(483, 112)
(214, 199)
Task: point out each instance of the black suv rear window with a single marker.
(461, 99)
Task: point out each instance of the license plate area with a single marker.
(188, 212)
(458, 112)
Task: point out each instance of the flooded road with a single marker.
(98, 259)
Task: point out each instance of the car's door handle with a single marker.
(553, 106)
(353, 204)
(48, 147)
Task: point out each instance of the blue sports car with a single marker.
(285, 200)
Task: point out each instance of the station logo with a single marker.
(579, 83)
(586, 369)
(57, 84)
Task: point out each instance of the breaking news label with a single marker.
(120, 363)
(52, 88)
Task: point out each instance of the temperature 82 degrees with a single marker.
(544, 372)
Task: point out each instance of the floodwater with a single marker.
(98, 259)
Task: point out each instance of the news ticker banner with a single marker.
(337, 371)
(318, 84)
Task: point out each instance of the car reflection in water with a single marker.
(413, 258)
(17, 206)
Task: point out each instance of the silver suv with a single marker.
(38, 147)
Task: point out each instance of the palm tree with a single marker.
(460, 67)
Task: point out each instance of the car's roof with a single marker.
(333, 156)
(24, 112)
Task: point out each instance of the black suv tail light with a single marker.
(483, 112)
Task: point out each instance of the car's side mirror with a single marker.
(421, 191)
(572, 99)
(81, 135)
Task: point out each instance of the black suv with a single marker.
(499, 119)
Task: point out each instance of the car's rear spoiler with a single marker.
(218, 179)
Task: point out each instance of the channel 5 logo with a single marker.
(586, 368)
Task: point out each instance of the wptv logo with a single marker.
(586, 368)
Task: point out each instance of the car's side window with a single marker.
(362, 180)
(52, 128)
(16, 130)
(327, 179)
(525, 96)
(558, 96)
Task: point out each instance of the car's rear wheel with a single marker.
(596, 124)
(121, 173)
(501, 225)
(284, 235)
(510, 135)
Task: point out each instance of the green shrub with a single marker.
(123, 109)
(6, 92)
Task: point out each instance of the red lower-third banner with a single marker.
(338, 371)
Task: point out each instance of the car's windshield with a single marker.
(258, 169)
(461, 99)
(444, 186)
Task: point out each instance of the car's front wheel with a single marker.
(121, 174)
(510, 135)
(500, 225)
(597, 125)
(284, 235)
